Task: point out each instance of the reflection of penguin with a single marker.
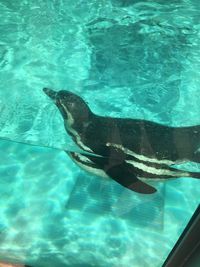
(127, 150)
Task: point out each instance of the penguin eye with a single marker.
(71, 105)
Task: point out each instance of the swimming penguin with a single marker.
(130, 151)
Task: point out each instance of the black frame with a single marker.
(188, 245)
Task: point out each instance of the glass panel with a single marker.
(52, 214)
(133, 63)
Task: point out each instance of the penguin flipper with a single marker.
(122, 175)
(120, 172)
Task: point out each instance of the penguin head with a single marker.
(70, 105)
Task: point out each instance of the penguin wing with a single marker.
(121, 173)
(117, 170)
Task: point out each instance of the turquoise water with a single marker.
(53, 214)
(127, 59)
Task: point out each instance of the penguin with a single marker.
(130, 151)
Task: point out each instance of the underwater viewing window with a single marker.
(99, 132)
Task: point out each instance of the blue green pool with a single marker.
(137, 59)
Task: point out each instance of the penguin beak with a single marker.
(55, 97)
(52, 94)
